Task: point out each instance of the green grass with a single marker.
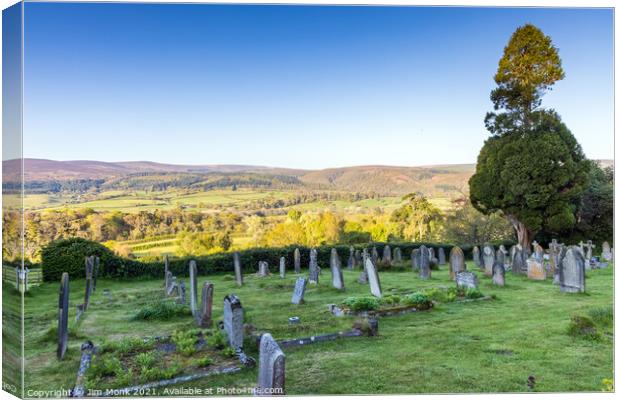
(484, 346)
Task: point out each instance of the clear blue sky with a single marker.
(293, 86)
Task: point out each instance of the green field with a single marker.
(485, 346)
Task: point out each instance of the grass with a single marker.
(486, 346)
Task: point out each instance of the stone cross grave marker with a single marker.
(63, 316)
(299, 291)
(271, 367)
(233, 321)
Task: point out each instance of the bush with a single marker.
(361, 303)
(390, 299)
(161, 311)
(418, 300)
(582, 326)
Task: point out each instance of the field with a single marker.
(485, 346)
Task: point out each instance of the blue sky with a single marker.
(292, 86)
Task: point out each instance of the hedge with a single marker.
(68, 256)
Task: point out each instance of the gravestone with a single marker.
(233, 321)
(589, 246)
(424, 263)
(314, 268)
(166, 270)
(606, 251)
(193, 287)
(500, 256)
(282, 267)
(374, 256)
(297, 261)
(457, 261)
(519, 265)
(373, 278)
(467, 280)
(387, 255)
(415, 260)
(363, 278)
(172, 284)
(488, 258)
(535, 269)
(182, 292)
(431, 253)
(203, 318)
(499, 274)
(358, 258)
(476, 255)
(271, 367)
(63, 316)
(299, 291)
(351, 261)
(441, 256)
(572, 271)
(263, 269)
(337, 280)
(238, 270)
(398, 255)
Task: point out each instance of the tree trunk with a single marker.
(524, 235)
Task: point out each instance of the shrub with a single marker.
(390, 299)
(161, 310)
(418, 300)
(582, 326)
(361, 303)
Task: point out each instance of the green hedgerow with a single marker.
(361, 303)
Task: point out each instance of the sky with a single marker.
(293, 86)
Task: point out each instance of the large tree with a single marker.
(532, 168)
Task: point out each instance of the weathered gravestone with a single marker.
(535, 269)
(398, 255)
(233, 321)
(363, 278)
(500, 256)
(441, 256)
(204, 317)
(488, 258)
(63, 316)
(457, 261)
(170, 284)
(424, 263)
(476, 255)
(373, 278)
(589, 246)
(282, 267)
(193, 288)
(606, 252)
(387, 255)
(337, 280)
(238, 270)
(374, 255)
(313, 268)
(297, 261)
(351, 261)
(499, 274)
(519, 265)
(572, 271)
(263, 269)
(415, 260)
(271, 367)
(358, 258)
(182, 292)
(467, 279)
(299, 291)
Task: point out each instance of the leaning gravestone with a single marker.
(263, 268)
(499, 274)
(573, 271)
(203, 318)
(233, 321)
(373, 278)
(63, 316)
(193, 287)
(467, 280)
(387, 255)
(282, 267)
(238, 271)
(271, 367)
(606, 252)
(351, 261)
(425, 266)
(313, 268)
(488, 258)
(476, 255)
(398, 255)
(299, 291)
(297, 261)
(457, 261)
(441, 255)
(337, 280)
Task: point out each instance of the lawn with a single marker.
(485, 346)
